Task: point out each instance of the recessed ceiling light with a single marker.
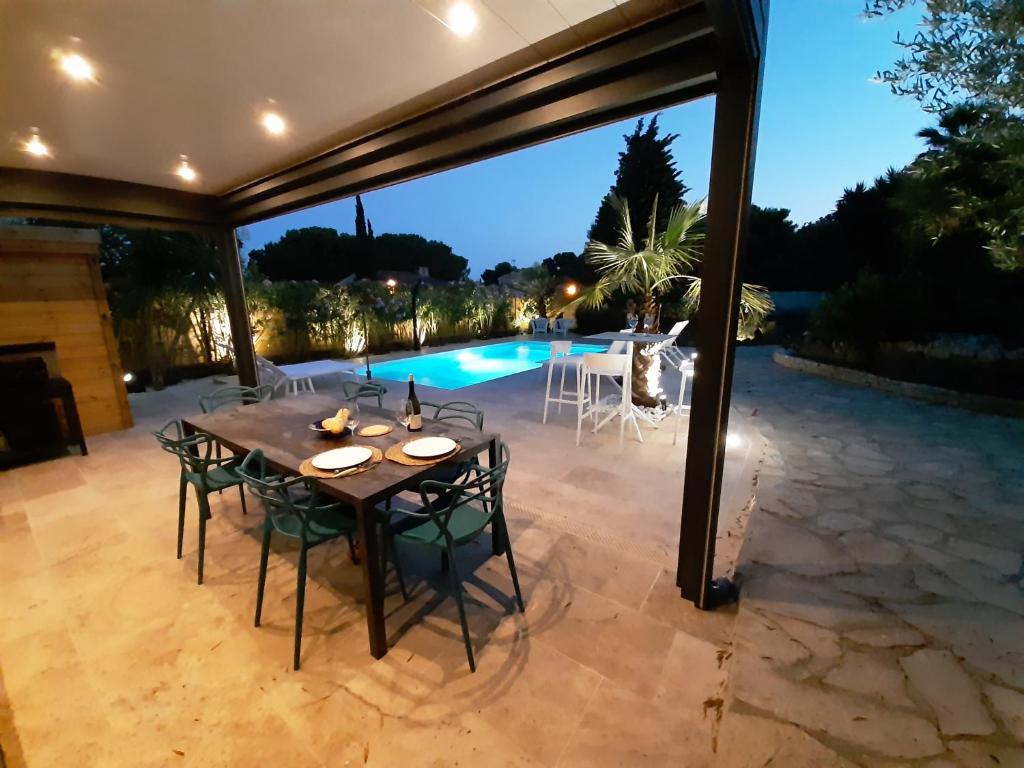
(76, 66)
(36, 147)
(461, 19)
(273, 123)
(186, 171)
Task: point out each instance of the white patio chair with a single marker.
(561, 326)
(592, 369)
(539, 325)
(560, 356)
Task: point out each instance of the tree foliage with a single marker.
(646, 173)
(966, 65)
(490, 276)
(323, 254)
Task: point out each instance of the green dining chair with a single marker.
(234, 395)
(354, 390)
(457, 410)
(455, 514)
(204, 473)
(296, 509)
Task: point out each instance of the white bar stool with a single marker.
(592, 369)
(560, 356)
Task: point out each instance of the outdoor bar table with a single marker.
(281, 429)
(630, 339)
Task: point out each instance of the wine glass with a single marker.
(632, 321)
(353, 415)
(402, 414)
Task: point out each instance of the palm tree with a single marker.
(647, 271)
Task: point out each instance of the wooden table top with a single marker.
(281, 429)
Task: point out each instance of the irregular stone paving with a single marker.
(882, 613)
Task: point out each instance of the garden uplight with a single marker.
(129, 377)
(391, 283)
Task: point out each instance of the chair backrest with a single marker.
(539, 324)
(194, 452)
(458, 410)
(560, 348)
(676, 329)
(607, 364)
(274, 376)
(353, 390)
(479, 488)
(563, 324)
(279, 498)
(235, 395)
(616, 348)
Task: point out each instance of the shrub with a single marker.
(869, 310)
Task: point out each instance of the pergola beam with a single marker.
(742, 31)
(51, 195)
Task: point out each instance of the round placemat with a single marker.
(397, 455)
(307, 467)
(375, 430)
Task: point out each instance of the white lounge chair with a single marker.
(298, 377)
(539, 325)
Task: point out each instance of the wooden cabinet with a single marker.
(51, 290)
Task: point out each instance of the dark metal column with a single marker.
(732, 163)
(238, 310)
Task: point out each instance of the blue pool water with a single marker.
(459, 368)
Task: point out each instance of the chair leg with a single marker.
(547, 390)
(204, 512)
(561, 388)
(262, 582)
(241, 495)
(300, 601)
(353, 552)
(456, 582)
(582, 388)
(511, 561)
(392, 544)
(309, 385)
(182, 498)
(444, 561)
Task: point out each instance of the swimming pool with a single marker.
(459, 368)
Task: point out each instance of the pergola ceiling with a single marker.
(192, 78)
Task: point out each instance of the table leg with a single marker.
(373, 579)
(499, 533)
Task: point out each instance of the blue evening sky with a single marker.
(824, 127)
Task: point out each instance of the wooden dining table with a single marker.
(280, 428)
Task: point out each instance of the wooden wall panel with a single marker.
(51, 290)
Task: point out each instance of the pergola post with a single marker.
(233, 285)
(732, 164)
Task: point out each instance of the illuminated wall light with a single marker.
(462, 19)
(36, 147)
(77, 67)
(273, 123)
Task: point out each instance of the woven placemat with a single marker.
(375, 430)
(307, 467)
(395, 454)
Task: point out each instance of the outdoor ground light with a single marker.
(35, 146)
(129, 377)
(391, 283)
(733, 440)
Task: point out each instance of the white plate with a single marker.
(342, 458)
(429, 447)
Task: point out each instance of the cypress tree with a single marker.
(646, 168)
(360, 219)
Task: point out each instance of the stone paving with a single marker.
(882, 613)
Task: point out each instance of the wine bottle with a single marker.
(414, 422)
